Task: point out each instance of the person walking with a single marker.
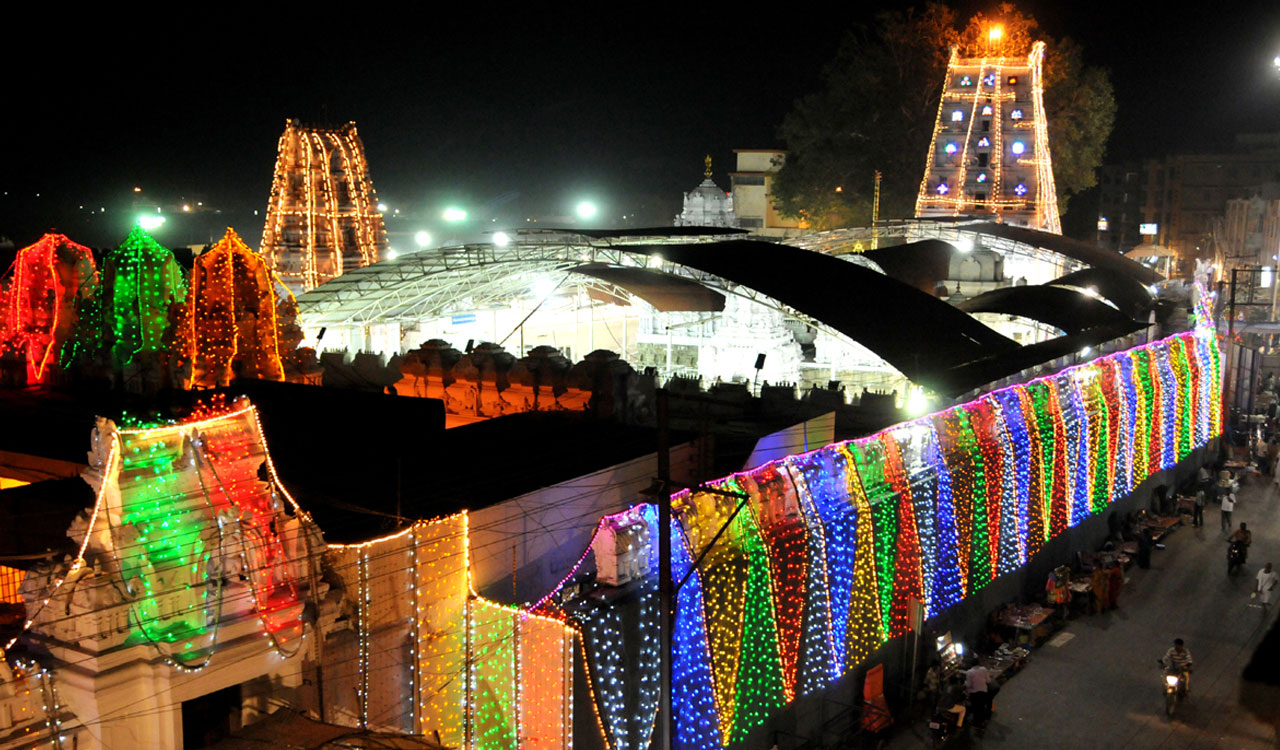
(1197, 517)
(1115, 581)
(1228, 505)
(1267, 580)
(1098, 582)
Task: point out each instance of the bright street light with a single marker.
(392, 254)
(501, 239)
(454, 214)
(586, 210)
(422, 238)
(150, 221)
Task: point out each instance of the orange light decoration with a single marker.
(323, 217)
(229, 326)
(48, 282)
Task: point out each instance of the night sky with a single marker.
(513, 116)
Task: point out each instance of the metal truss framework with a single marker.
(437, 282)
(442, 281)
(963, 231)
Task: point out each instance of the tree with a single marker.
(879, 103)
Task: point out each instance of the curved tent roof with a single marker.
(915, 332)
(1065, 308)
(1090, 255)
(1126, 293)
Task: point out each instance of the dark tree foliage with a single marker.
(879, 103)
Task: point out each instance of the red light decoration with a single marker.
(48, 282)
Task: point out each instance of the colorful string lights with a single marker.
(820, 566)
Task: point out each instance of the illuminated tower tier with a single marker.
(990, 149)
(323, 217)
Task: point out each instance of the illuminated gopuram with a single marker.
(990, 149)
(323, 216)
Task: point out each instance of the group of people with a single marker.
(1223, 493)
(963, 695)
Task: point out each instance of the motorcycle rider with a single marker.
(1244, 537)
(1177, 661)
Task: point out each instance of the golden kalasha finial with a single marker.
(708, 172)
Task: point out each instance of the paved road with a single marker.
(1102, 689)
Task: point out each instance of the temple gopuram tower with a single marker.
(990, 149)
(323, 216)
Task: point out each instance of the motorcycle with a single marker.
(1175, 688)
(943, 727)
(1235, 557)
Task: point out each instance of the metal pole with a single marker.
(665, 588)
(1231, 351)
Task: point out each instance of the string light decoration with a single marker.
(480, 674)
(141, 284)
(1015, 83)
(229, 325)
(157, 512)
(786, 540)
(50, 285)
(932, 510)
(323, 217)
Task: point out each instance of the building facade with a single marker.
(1122, 198)
(1187, 194)
(752, 194)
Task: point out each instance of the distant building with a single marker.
(990, 150)
(707, 205)
(1187, 193)
(1122, 196)
(752, 194)
(1248, 235)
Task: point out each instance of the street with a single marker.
(1101, 687)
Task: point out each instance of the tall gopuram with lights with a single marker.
(323, 217)
(990, 150)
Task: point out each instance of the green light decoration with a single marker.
(142, 284)
(171, 555)
(759, 683)
(494, 678)
(868, 459)
(1142, 419)
(980, 547)
(1099, 427)
(1186, 397)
